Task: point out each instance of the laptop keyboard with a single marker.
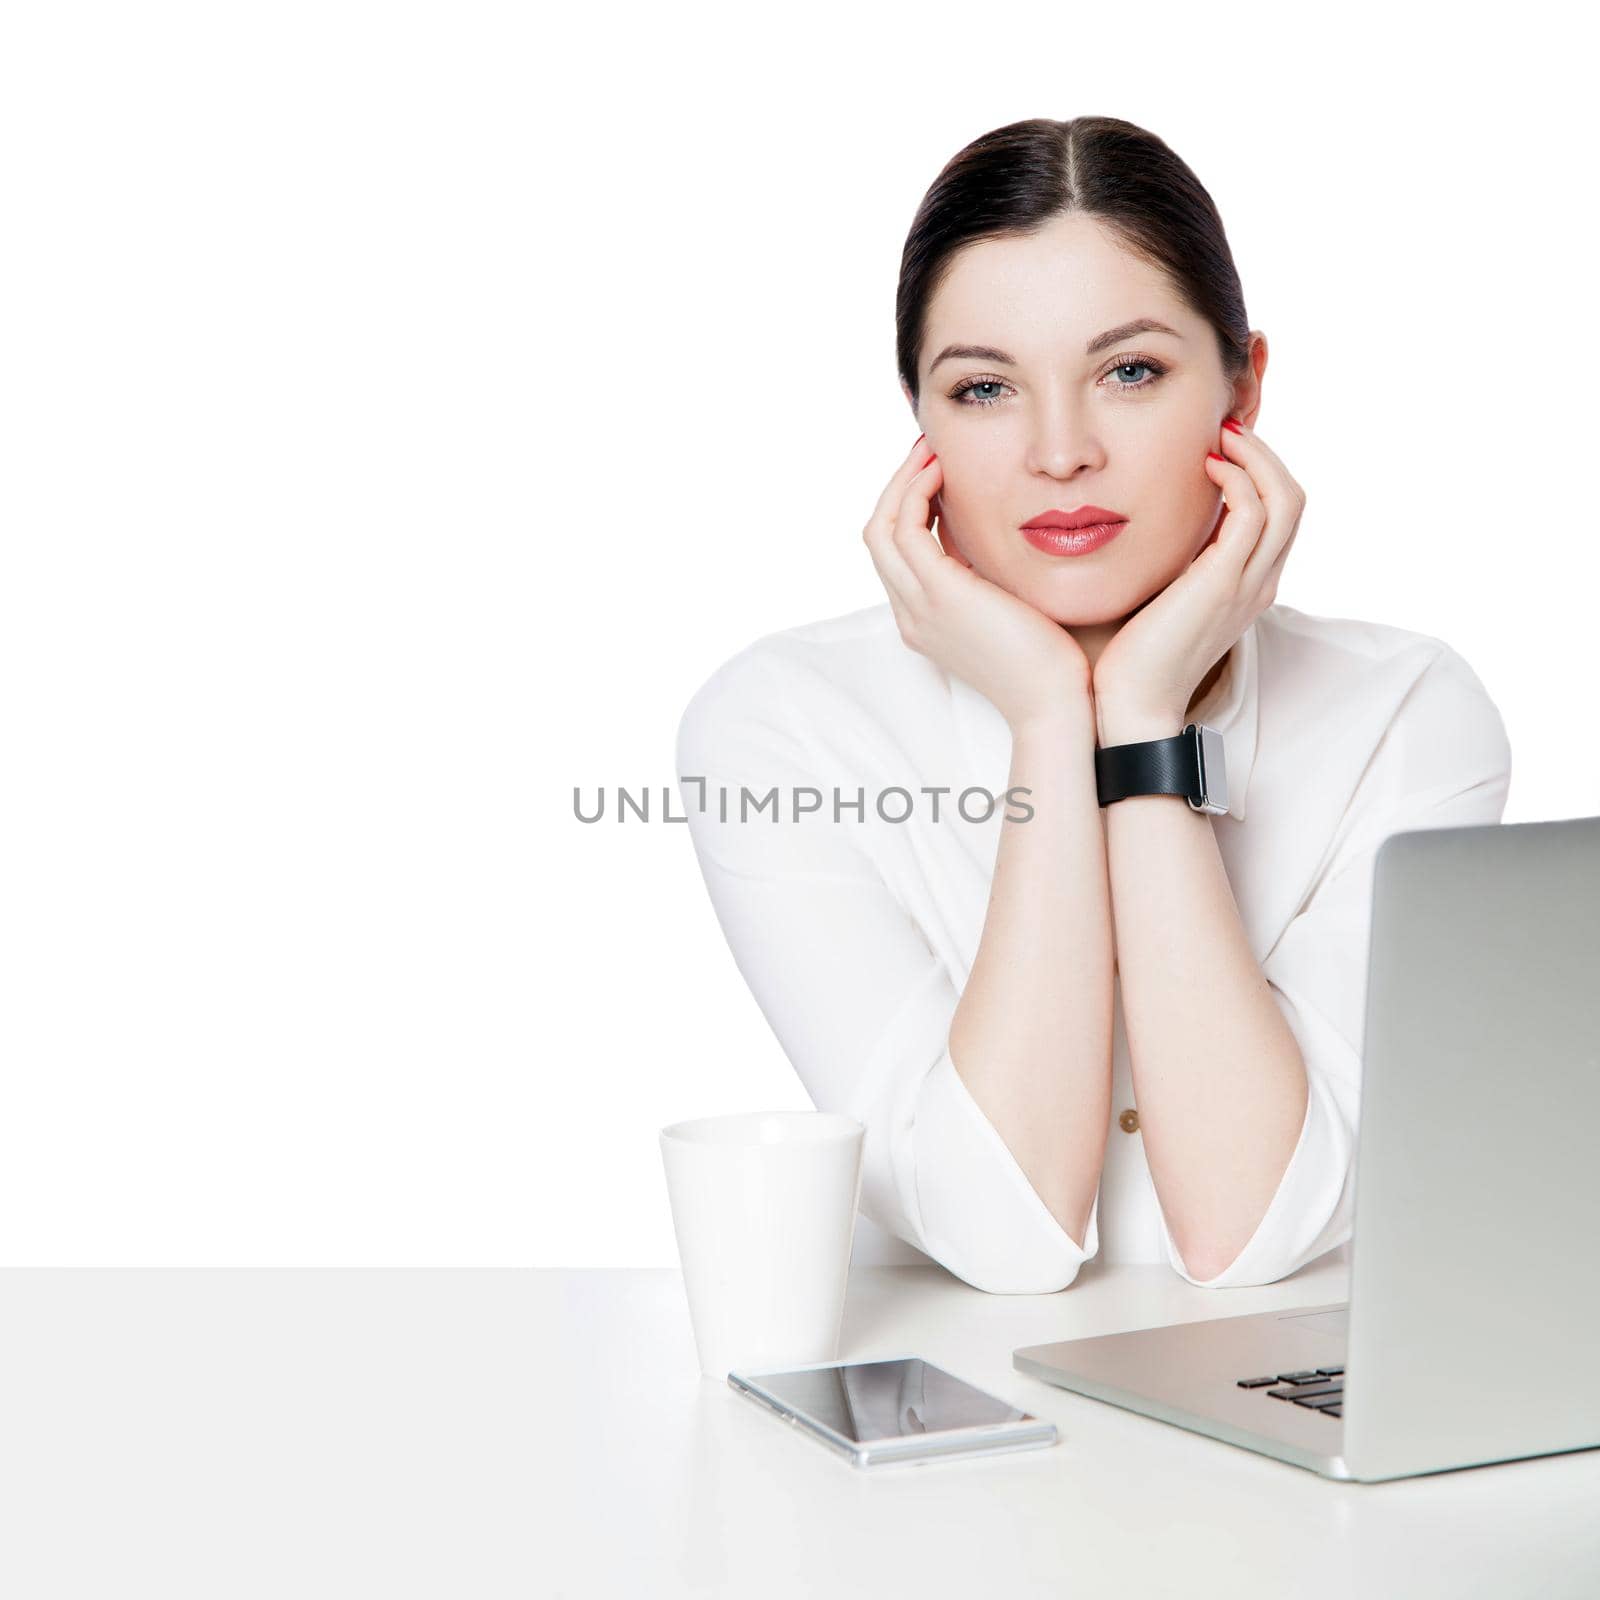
(1317, 1388)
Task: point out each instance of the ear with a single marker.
(1245, 399)
(905, 390)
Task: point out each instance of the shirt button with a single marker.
(1129, 1120)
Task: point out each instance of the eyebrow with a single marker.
(1101, 341)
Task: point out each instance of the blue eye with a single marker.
(977, 383)
(1131, 366)
(971, 387)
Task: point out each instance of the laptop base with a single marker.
(1188, 1374)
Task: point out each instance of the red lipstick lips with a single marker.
(1083, 517)
(1073, 533)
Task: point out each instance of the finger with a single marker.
(1267, 559)
(1279, 492)
(916, 458)
(905, 597)
(1284, 499)
(1246, 517)
(902, 619)
(879, 531)
(898, 580)
(912, 537)
(947, 541)
(1269, 578)
(1252, 441)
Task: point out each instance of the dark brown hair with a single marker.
(1020, 177)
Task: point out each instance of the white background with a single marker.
(406, 407)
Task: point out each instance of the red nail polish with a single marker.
(918, 440)
(1229, 422)
(1211, 455)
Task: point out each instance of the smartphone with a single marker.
(901, 1410)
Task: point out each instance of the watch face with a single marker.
(1213, 772)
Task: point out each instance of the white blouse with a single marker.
(856, 930)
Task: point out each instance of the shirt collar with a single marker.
(1231, 707)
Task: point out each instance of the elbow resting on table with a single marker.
(1263, 1268)
(1255, 1278)
(1206, 1269)
(1006, 1281)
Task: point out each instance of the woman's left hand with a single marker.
(1151, 667)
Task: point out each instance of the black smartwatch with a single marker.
(1189, 763)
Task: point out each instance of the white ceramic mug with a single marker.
(764, 1207)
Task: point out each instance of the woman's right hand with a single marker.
(1027, 665)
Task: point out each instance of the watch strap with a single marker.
(1153, 766)
(1192, 763)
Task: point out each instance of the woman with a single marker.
(1139, 1001)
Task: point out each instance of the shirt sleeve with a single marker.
(1444, 761)
(854, 992)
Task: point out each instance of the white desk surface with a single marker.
(547, 1433)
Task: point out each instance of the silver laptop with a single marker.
(1473, 1321)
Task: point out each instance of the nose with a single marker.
(1064, 439)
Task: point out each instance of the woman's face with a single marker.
(1066, 420)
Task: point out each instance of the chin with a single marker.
(1080, 616)
(1082, 602)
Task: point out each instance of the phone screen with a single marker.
(874, 1400)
